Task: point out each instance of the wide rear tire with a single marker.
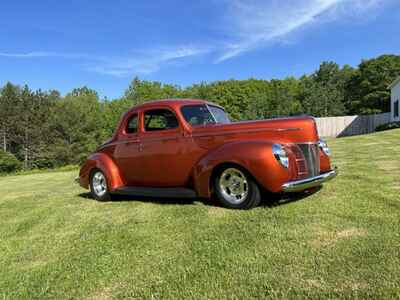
(235, 188)
(99, 186)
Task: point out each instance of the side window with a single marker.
(132, 125)
(159, 119)
(396, 109)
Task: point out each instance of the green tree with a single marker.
(112, 112)
(367, 89)
(323, 92)
(78, 126)
(140, 91)
(30, 130)
(9, 94)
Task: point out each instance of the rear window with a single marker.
(132, 125)
(198, 115)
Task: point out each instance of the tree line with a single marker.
(43, 129)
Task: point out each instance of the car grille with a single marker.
(311, 157)
(307, 160)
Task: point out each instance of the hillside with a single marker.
(342, 241)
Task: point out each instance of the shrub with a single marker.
(44, 163)
(9, 163)
(388, 126)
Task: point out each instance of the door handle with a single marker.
(132, 142)
(207, 138)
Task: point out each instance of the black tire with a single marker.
(248, 189)
(99, 195)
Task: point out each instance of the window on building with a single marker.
(396, 109)
(159, 119)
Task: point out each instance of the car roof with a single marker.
(171, 103)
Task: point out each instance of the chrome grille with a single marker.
(311, 156)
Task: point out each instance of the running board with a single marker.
(156, 192)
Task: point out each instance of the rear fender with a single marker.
(255, 156)
(104, 163)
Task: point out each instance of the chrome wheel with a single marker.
(99, 184)
(233, 185)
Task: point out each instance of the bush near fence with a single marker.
(388, 126)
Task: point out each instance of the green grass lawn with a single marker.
(341, 242)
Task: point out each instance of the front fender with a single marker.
(103, 162)
(255, 156)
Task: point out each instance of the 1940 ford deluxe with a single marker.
(190, 148)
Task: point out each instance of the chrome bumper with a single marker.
(304, 184)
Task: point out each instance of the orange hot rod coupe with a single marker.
(190, 148)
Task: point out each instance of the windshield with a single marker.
(197, 115)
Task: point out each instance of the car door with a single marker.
(165, 157)
(127, 151)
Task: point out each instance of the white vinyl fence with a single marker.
(350, 125)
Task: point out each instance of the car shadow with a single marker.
(157, 200)
(274, 200)
(268, 199)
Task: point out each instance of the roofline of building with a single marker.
(394, 83)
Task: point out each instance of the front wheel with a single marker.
(235, 188)
(99, 186)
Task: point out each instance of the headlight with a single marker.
(281, 155)
(324, 147)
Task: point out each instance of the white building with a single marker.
(395, 100)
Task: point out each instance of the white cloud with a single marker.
(255, 23)
(39, 54)
(146, 62)
(26, 55)
(138, 62)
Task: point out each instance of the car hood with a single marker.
(283, 130)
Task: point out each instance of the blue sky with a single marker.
(103, 44)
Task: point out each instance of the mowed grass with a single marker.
(341, 242)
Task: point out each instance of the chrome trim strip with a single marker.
(304, 184)
(239, 131)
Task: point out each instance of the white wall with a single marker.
(395, 96)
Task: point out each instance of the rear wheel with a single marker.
(99, 186)
(235, 188)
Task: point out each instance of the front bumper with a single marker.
(304, 184)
